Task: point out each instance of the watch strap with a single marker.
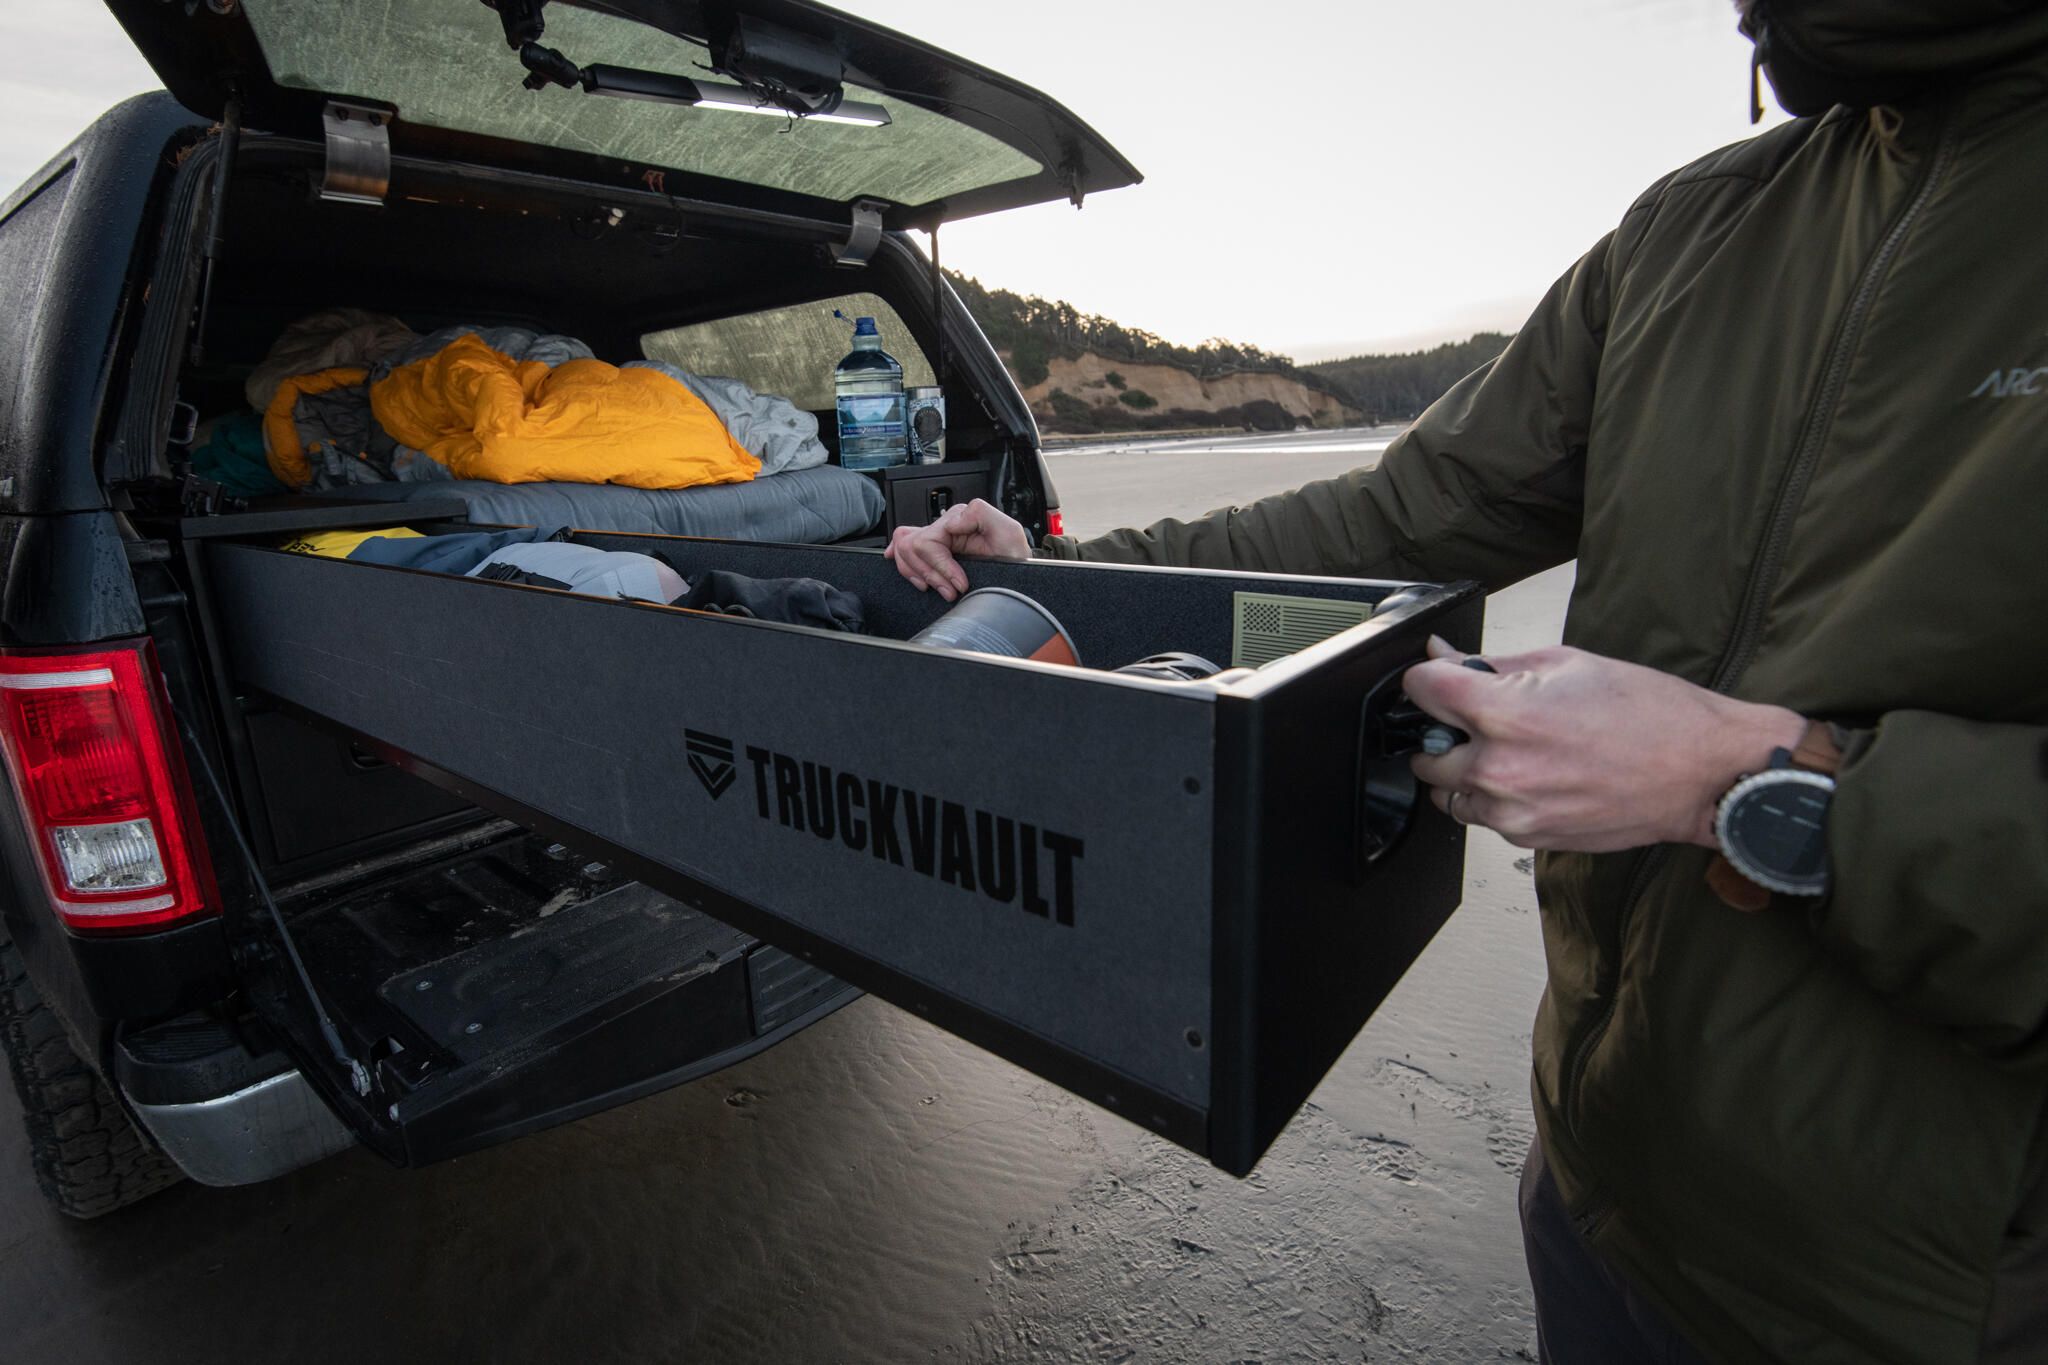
(1736, 891)
(1819, 751)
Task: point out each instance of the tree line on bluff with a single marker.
(1032, 332)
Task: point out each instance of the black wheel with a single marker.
(88, 1158)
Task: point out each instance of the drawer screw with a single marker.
(1438, 739)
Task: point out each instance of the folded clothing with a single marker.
(454, 553)
(343, 544)
(540, 556)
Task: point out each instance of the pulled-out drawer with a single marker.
(1180, 900)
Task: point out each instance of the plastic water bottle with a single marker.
(872, 431)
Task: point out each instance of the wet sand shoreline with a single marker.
(877, 1190)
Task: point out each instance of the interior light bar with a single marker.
(786, 75)
(740, 100)
(664, 87)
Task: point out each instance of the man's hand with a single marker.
(926, 554)
(1576, 751)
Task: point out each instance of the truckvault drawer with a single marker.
(1160, 895)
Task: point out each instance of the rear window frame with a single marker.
(899, 339)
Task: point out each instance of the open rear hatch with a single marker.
(646, 93)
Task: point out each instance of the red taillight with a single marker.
(1055, 524)
(102, 788)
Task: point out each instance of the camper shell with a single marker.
(466, 859)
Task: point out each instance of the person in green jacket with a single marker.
(1791, 419)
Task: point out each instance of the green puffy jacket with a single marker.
(1791, 418)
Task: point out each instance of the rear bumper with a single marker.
(258, 1132)
(223, 1114)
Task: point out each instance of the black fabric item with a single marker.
(1804, 86)
(795, 601)
(1863, 53)
(512, 573)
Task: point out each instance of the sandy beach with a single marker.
(877, 1190)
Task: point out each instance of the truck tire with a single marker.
(88, 1157)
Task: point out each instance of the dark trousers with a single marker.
(1585, 1313)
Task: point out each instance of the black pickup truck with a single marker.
(300, 851)
(202, 887)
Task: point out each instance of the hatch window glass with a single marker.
(790, 351)
(444, 63)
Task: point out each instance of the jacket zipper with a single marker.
(1763, 574)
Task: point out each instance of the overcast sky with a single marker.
(1322, 176)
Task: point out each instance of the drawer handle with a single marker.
(1390, 729)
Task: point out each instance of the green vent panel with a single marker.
(1266, 625)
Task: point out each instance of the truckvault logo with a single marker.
(711, 760)
(1010, 861)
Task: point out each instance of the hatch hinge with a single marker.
(859, 247)
(358, 153)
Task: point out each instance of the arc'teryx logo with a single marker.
(2019, 382)
(711, 760)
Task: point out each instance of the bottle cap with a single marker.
(864, 327)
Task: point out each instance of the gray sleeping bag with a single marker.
(807, 507)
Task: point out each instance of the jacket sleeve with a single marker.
(1938, 845)
(1487, 484)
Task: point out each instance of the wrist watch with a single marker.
(1772, 825)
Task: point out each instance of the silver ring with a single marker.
(1451, 808)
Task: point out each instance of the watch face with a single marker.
(1775, 832)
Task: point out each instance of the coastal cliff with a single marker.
(1090, 392)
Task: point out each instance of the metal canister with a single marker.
(925, 413)
(998, 621)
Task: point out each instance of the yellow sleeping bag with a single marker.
(338, 428)
(485, 415)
